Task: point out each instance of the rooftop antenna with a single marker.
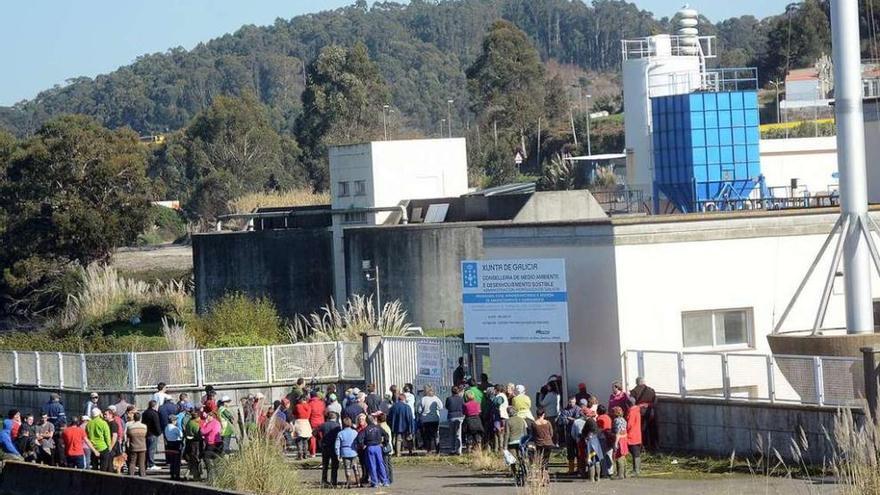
(855, 244)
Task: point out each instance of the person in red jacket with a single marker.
(634, 434)
(316, 419)
(302, 427)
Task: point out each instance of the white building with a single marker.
(697, 282)
(810, 162)
(384, 173)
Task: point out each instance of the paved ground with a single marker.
(454, 480)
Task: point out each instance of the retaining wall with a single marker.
(722, 428)
(31, 479)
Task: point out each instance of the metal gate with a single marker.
(396, 358)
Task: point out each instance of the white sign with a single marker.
(429, 359)
(514, 300)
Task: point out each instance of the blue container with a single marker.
(706, 147)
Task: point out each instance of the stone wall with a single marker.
(722, 428)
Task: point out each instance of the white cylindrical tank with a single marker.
(689, 42)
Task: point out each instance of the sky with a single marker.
(46, 42)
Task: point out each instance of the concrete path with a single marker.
(453, 480)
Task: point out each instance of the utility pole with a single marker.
(449, 114)
(385, 121)
(587, 99)
(574, 133)
(303, 63)
(442, 125)
(776, 84)
(538, 150)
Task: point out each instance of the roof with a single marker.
(597, 158)
(802, 74)
(518, 188)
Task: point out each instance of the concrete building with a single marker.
(697, 282)
(809, 164)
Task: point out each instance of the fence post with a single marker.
(85, 374)
(15, 373)
(820, 380)
(37, 373)
(340, 365)
(60, 371)
(640, 363)
(725, 376)
(200, 368)
(870, 370)
(682, 384)
(771, 380)
(132, 371)
(270, 367)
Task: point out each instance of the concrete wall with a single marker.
(722, 428)
(418, 264)
(31, 479)
(810, 160)
(560, 205)
(291, 267)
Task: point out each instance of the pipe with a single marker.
(851, 163)
(404, 216)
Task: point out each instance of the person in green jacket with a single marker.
(98, 433)
(227, 419)
(192, 435)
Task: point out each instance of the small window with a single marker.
(343, 189)
(360, 188)
(354, 218)
(720, 328)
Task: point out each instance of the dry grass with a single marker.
(259, 468)
(856, 462)
(177, 336)
(488, 461)
(103, 293)
(294, 197)
(347, 323)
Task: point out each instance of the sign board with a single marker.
(521, 300)
(429, 360)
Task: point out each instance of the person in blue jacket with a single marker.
(6, 444)
(402, 424)
(346, 449)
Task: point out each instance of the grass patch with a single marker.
(260, 468)
(444, 332)
(151, 275)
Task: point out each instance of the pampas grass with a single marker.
(259, 468)
(348, 322)
(856, 462)
(294, 197)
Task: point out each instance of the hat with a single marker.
(93, 395)
(96, 412)
(85, 418)
(54, 396)
(520, 389)
(332, 397)
(583, 402)
(112, 408)
(225, 398)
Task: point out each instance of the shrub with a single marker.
(45, 341)
(294, 197)
(237, 320)
(260, 468)
(349, 322)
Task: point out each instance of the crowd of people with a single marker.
(357, 431)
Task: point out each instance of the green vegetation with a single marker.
(259, 468)
(237, 320)
(348, 322)
(164, 225)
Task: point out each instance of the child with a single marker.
(621, 449)
(346, 449)
(592, 449)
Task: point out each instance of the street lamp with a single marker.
(587, 99)
(776, 85)
(371, 274)
(385, 121)
(442, 125)
(449, 114)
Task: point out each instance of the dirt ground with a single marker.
(158, 260)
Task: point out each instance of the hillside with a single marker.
(421, 48)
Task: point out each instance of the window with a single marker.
(343, 189)
(360, 188)
(354, 217)
(720, 328)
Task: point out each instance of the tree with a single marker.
(342, 104)
(506, 81)
(70, 194)
(796, 39)
(556, 104)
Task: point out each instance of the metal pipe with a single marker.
(851, 163)
(404, 216)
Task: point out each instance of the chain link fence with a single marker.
(108, 372)
(71, 366)
(816, 380)
(174, 368)
(352, 362)
(309, 361)
(27, 368)
(235, 365)
(50, 370)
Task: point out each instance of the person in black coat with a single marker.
(150, 417)
(328, 433)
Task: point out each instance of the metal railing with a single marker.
(137, 371)
(813, 380)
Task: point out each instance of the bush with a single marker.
(260, 468)
(45, 341)
(347, 323)
(165, 225)
(237, 320)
